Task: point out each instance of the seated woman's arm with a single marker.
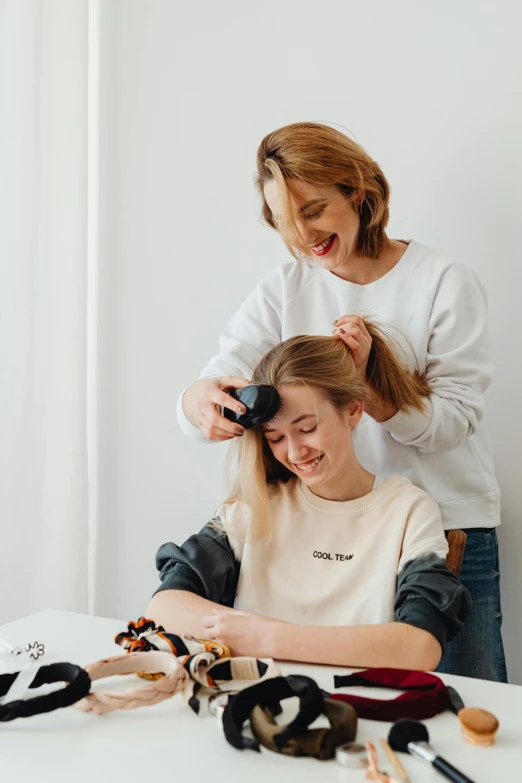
(196, 578)
(398, 645)
(179, 611)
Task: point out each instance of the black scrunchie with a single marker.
(79, 686)
(268, 694)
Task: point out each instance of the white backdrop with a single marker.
(431, 90)
(186, 92)
(44, 482)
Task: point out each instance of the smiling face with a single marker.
(328, 223)
(313, 439)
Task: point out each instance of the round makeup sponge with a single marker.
(478, 726)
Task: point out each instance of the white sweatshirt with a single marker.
(440, 307)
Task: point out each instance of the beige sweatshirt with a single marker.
(333, 563)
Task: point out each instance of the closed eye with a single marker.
(314, 215)
(278, 440)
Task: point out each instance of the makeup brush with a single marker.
(410, 736)
(262, 403)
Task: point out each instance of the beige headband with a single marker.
(176, 677)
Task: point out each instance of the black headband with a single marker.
(78, 687)
(268, 694)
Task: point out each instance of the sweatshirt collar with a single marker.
(345, 286)
(348, 506)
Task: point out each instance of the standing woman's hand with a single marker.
(353, 332)
(202, 403)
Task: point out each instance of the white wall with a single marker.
(432, 90)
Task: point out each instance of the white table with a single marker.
(168, 742)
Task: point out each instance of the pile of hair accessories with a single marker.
(238, 690)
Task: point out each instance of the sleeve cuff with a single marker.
(422, 614)
(186, 427)
(408, 424)
(182, 578)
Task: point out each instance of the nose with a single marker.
(309, 236)
(297, 452)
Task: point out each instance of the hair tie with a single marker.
(144, 635)
(426, 695)
(78, 687)
(101, 703)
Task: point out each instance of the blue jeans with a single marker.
(477, 651)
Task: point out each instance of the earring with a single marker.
(360, 208)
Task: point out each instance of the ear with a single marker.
(356, 410)
(357, 204)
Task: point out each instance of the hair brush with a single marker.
(262, 403)
(411, 736)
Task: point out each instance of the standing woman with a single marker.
(329, 201)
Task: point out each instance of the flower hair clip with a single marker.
(35, 650)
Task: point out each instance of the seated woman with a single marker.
(313, 558)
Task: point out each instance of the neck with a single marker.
(362, 270)
(352, 482)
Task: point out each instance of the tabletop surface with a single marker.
(168, 740)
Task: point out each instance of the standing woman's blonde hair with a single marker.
(324, 364)
(321, 155)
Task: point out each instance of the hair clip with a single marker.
(373, 772)
(35, 650)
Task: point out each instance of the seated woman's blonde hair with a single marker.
(324, 364)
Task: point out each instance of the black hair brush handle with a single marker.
(446, 769)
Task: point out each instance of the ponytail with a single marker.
(391, 380)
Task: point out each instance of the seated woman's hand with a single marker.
(242, 632)
(202, 403)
